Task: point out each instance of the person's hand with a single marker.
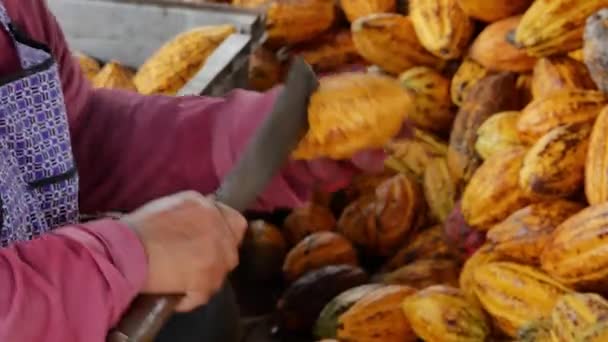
(192, 244)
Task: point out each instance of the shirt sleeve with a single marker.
(48, 285)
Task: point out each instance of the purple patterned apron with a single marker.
(38, 177)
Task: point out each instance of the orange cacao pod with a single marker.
(596, 165)
(306, 220)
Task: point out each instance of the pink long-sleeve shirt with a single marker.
(73, 284)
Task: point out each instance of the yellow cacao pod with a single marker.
(351, 112)
(523, 235)
(494, 10)
(561, 108)
(441, 26)
(113, 75)
(535, 331)
(595, 333)
(329, 51)
(514, 294)
(318, 250)
(432, 109)
(468, 74)
(294, 21)
(492, 50)
(389, 41)
(576, 255)
(576, 312)
(412, 155)
(355, 9)
(554, 74)
(554, 166)
(490, 95)
(553, 27)
(89, 66)
(306, 220)
(439, 189)
(265, 69)
(497, 134)
(378, 317)
(443, 314)
(594, 48)
(493, 192)
(596, 166)
(425, 272)
(485, 254)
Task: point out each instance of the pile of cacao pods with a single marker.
(491, 220)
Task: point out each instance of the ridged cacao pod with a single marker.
(300, 305)
(576, 255)
(294, 21)
(576, 312)
(554, 74)
(262, 252)
(441, 26)
(432, 109)
(482, 256)
(553, 27)
(561, 108)
(461, 237)
(523, 235)
(494, 10)
(554, 167)
(381, 223)
(411, 155)
(265, 69)
(351, 112)
(307, 220)
(514, 294)
(318, 250)
(596, 166)
(424, 272)
(113, 75)
(498, 134)
(595, 333)
(536, 331)
(428, 244)
(378, 317)
(89, 66)
(389, 41)
(443, 314)
(492, 50)
(365, 184)
(493, 94)
(355, 9)
(329, 51)
(493, 192)
(468, 74)
(439, 189)
(594, 50)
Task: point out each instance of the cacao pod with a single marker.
(443, 314)
(352, 112)
(595, 333)
(536, 331)
(318, 250)
(378, 317)
(576, 254)
(113, 75)
(555, 165)
(389, 41)
(294, 21)
(498, 134)
(523, 235)
(492, 50)
(554, 74)
(439, 189)
(327, 323)
(411, 155)
(493, 192)
(382, 222)
(482, 256)
(428, 244)
(89, 66)
(441, 26)
(462, 239)
(494, 10)
(306, 220)
(179, 59)
(596, 165)
(561, 108)
(594, 48)
(423, 273)
(265, 69)
(300, 305)
(468, 74)
(515, 294)
(432, 109)
(355, 9)
(492, 94)
(553, 27)
(262, 252)
(365, 184)
(577, 312)
(329, 51)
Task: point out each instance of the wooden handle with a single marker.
(146, 316)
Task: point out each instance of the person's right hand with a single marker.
(192, 244)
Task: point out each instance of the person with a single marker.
(68, 148)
